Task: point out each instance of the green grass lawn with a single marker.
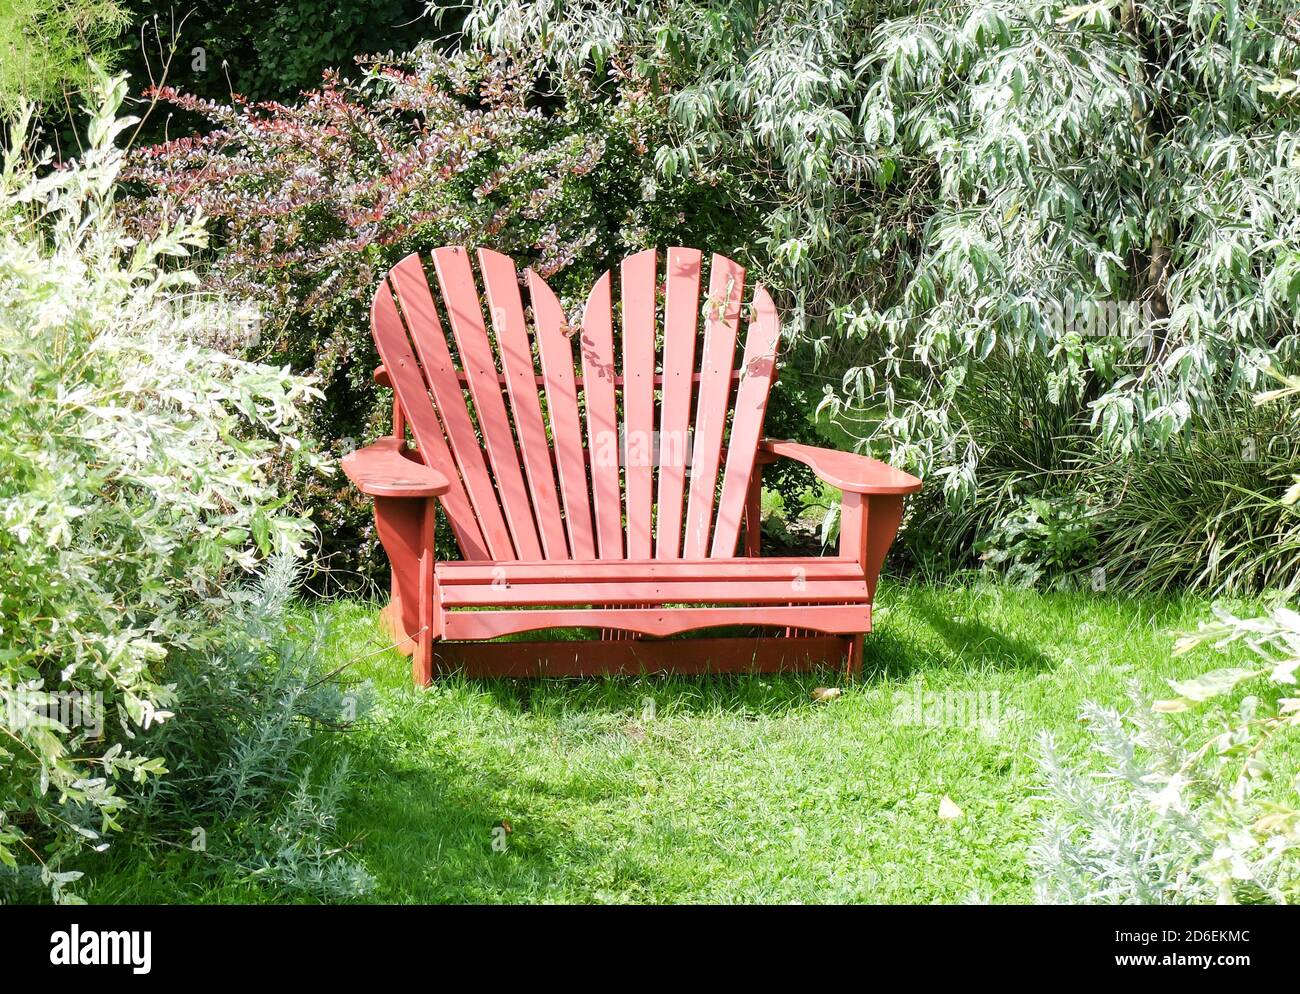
(738, 788)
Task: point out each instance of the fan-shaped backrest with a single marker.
(610, 454)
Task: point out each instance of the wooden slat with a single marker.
(681, 327)
(756, 372)
(638, 295)
(726, 284)
(412, 287)
(404, 372)
(831, 618)
(598, 571)
(479, 660)
(598, 372)
(541, 380)
(556, 352)
(506, 307)
(460, 296)
(666, 591)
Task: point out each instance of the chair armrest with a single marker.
(381, 470)
(845, 470)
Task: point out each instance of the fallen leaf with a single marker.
(948, 811)
(634, 732)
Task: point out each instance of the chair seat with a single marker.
(805, 580)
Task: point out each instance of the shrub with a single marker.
(133, 488)
(253, 793)
(264, 51)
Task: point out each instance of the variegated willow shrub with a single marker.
(1029, 240)
(313, 200)
(134, 500)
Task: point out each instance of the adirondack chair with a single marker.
(605, 494)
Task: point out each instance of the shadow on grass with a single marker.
(436, 828)
(976, 640)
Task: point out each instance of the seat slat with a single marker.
(726, 284)
(638, 295)
(681, 327)
(786, 569)
(848, 618)
(506, 307)
(598, 372)
(460, 294)
(556, 352)
(665, 591)
(412, 287)
(756, 372)
(404, 372)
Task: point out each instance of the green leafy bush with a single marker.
(264, 51)
(133, 488)
(1041, 538)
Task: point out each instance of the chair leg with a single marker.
(853, 658)
(405, 526)
(430, 609)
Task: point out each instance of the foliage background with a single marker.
(1039, 253)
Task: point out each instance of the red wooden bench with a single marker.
(607, 493)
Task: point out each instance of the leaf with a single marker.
(1213, 684)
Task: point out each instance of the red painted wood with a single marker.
(674, 591)
(726, 284)
(598, 371)
(604, 570)
(638, 298)
(868, 525)
(846, 470)
(681, 328)
(395, 349)
(412, 288)
(757, 369)
(506, 307)
(555, 348)
(383, 470)
(830, 618)
(754, 514)
(460, 296)
(400, 523)
(519, 660)
(431, 611)
(853, 658)
(618, 379)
